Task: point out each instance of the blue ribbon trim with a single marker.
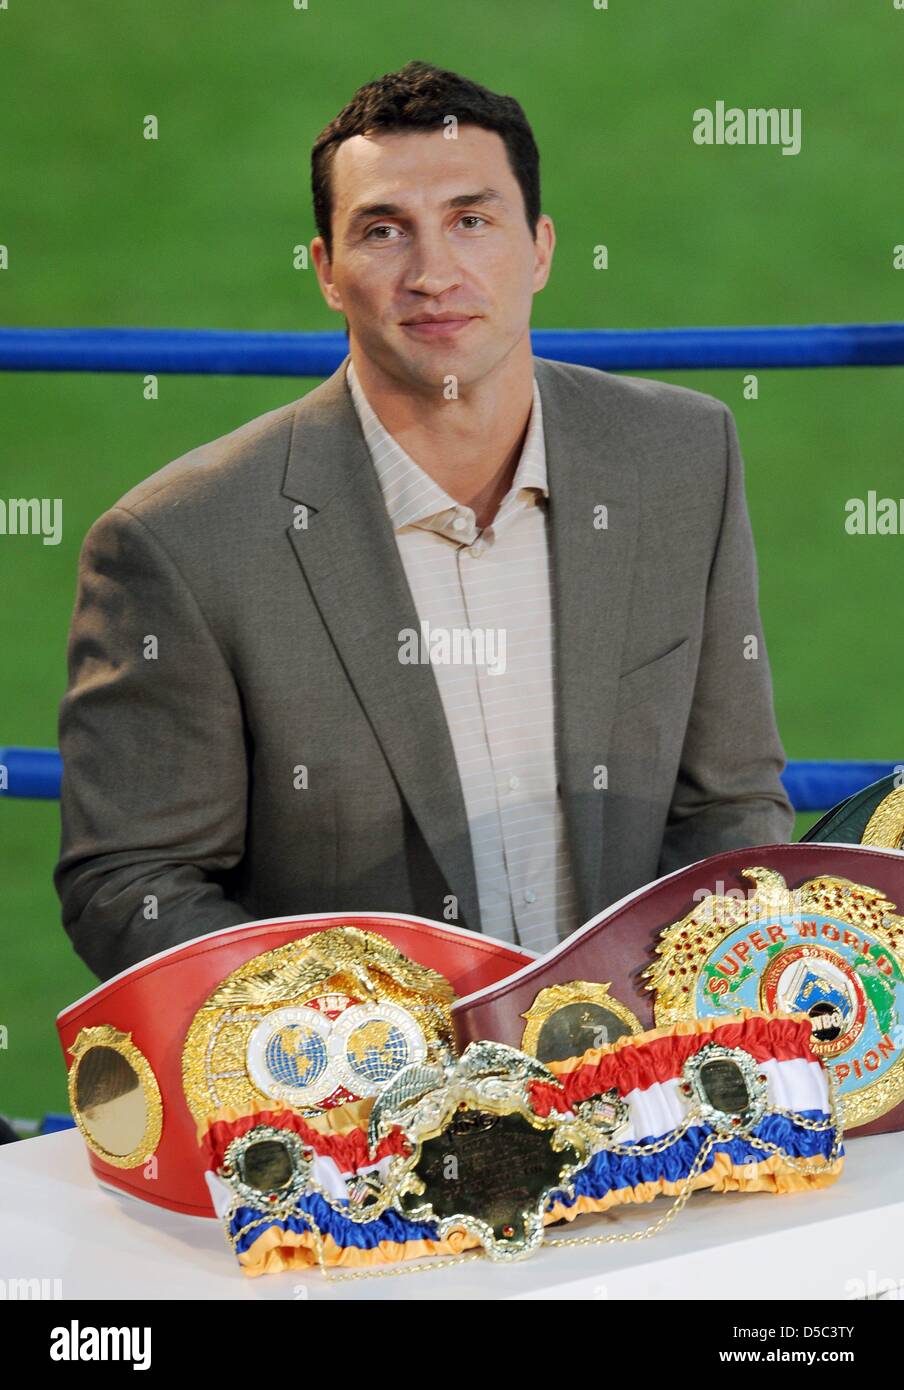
(605, 1172)
(608, 1171)
(391, 1226)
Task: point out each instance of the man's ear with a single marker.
(544, 245)
(324, 270)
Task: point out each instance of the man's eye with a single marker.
(472, 216)
(381, 227)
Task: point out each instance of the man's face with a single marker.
(426, 226)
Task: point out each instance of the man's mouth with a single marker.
(436, 325)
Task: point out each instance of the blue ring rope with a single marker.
(228, 353)
(811, 785)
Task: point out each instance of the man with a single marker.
(462, 632)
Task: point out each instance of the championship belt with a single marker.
(311, 1013)
(872, 816)
(808, 929)
(488, 1150)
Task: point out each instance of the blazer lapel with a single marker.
(589, 464)
(350, 559)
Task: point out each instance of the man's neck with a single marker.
(471, 445)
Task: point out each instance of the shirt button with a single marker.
(459, 524)
(514, 783)
(530, 895)
(476, 549)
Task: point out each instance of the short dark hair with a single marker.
(421, 97)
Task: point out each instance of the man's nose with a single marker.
(432, 267)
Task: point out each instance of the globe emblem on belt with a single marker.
(296, 1056)
(371, 1042)
(303, 1056)
(377, 1050)
(288, 1055)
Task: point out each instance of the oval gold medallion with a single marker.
(114, 1096)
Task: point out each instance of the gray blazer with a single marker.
(241, 741)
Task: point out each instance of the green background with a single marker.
(196, 230)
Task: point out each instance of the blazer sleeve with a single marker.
(728, 793)
(155, 778)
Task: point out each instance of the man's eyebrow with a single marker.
(483, 196)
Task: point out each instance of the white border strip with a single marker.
(345, 917)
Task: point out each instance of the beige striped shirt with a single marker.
(496, 681)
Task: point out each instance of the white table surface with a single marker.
(58, 1222)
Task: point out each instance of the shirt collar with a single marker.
(413, 498)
